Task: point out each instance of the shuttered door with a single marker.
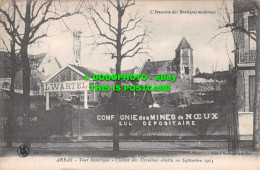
(251, 92)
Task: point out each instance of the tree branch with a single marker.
(112, 3)
(7, 16)
(35, 39)
(131, 20)
(222, 32)
(103, 43)
(132, 49)
(37, 26)
(110, 23)
(17, 9)
(100, 32)
(7, 49)
(242, 29)
(125, 29)
(47, 3)
(130, 56)
(133, 39)
(128, 4)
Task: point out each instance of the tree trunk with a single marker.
(117, 114)
(256, 128)
(26, 95)
(26, 75)
(234, 116)
(12, 104)
(118, 82)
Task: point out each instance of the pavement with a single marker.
(104, 148)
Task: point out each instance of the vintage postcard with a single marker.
(129, 84)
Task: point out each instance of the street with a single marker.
(128, 149)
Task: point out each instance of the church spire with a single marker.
(184, 60)
(183, 44)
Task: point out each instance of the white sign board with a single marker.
(245, 121)
(66, 86)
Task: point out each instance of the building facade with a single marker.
(42, 66)
(245, 15)
(245, 26)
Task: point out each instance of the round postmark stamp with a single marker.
(23, 151)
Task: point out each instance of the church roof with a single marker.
(183, 44)
(155, 67)
(134, 70)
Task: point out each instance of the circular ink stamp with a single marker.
(23, 151)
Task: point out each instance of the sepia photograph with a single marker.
(129, 84)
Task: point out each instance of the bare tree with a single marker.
(34, 15)
(12, 66)
(227, 26)
(124, 36)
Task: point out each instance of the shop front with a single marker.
(69, 83)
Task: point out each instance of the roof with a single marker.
(129, 71)
(207, 85)
(89, 71)
(80, 70)
(155, 67)
(38, 57)
(183, 44)
(5, 64)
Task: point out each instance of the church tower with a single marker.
(77, 48)
(183, 61)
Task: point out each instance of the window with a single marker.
(75, 76)
(252, 23)
(252, 42)
(252, 29)
(62, 76)
(169, 67)
(68, 74)
(186, 70)
(56, 79)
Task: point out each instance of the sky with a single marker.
(168, 30)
